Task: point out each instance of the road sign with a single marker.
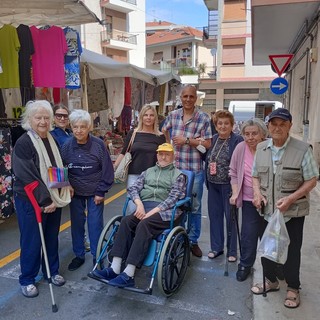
(279, 85)
(280, 62)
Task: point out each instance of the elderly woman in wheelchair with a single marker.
(157, 194)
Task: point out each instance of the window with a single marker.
(108, 24)
(209, 91)
(235, 10)
(241, 91)
(157, 57)
(233, 55)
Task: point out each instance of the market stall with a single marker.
(16, 48)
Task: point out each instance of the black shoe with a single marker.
(75, 264)
(243, 273)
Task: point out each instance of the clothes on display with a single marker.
(25, 52)
(72, 58)
(33, 66)
(48, 60)
(6, 192)
(9, 53)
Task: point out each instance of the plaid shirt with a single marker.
(187, 157)
(177, 192)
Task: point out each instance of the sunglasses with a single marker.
(59, 116)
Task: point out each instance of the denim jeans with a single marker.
(30, 241)
(131, 179)
(78, 218)
(195, 217)
(218, 208)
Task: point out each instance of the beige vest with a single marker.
(287, 179)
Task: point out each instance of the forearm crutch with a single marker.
(29, 191)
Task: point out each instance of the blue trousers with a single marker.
(78, 217)
(30, 241)
(218, 208)
(195, 217)
(251, 230)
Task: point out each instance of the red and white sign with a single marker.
(280, 62)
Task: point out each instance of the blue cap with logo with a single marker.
(281, 113)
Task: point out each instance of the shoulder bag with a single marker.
(121, 173)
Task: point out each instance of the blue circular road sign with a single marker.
(279, 85)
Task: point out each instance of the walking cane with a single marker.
(29, 191)
(264, 292)
(233, 219)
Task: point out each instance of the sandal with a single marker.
(293, 298)
(214, 254)
(270, 286)
(232, 259)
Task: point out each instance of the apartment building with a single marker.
(229, 37)
(122, 33)
(177, 48)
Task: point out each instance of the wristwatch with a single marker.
(187, 141)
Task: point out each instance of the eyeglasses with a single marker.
(59, 116)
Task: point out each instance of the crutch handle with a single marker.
(29, 191)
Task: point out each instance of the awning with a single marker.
(103, 67)
(43, 12)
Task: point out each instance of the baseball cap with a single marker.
(281, 113)
(165, 147)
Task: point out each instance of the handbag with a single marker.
(121, 173)
(58, 178)
(275, 240)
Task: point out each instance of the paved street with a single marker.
(206, 293)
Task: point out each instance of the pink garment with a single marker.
(236, 172)
(48, 60)
(247, 190)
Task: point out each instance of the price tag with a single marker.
(17, 112)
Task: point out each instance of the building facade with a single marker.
(121, 36)
(294, 29)
(230, 38)
(176, 48)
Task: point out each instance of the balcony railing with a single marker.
(118, 35)
(169, 64)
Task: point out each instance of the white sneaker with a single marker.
(29, 291)
(58, 280)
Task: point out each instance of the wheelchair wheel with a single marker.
(174, 261)
(105, 260)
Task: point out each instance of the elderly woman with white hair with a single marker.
(91, 176)
(253, 131)
(34, 152)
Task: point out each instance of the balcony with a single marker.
(175, 63)
(211, 4)
(118, 40)
(124, 6)
(209, 38)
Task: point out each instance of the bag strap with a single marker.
(131, 141)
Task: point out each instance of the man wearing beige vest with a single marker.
(284, 172)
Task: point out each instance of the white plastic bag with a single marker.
(275, 240)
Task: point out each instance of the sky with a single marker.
(191, 13)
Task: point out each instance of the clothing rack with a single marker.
(10, 122)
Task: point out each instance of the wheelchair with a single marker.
(168, 254)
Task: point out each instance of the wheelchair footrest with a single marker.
(134, 289)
